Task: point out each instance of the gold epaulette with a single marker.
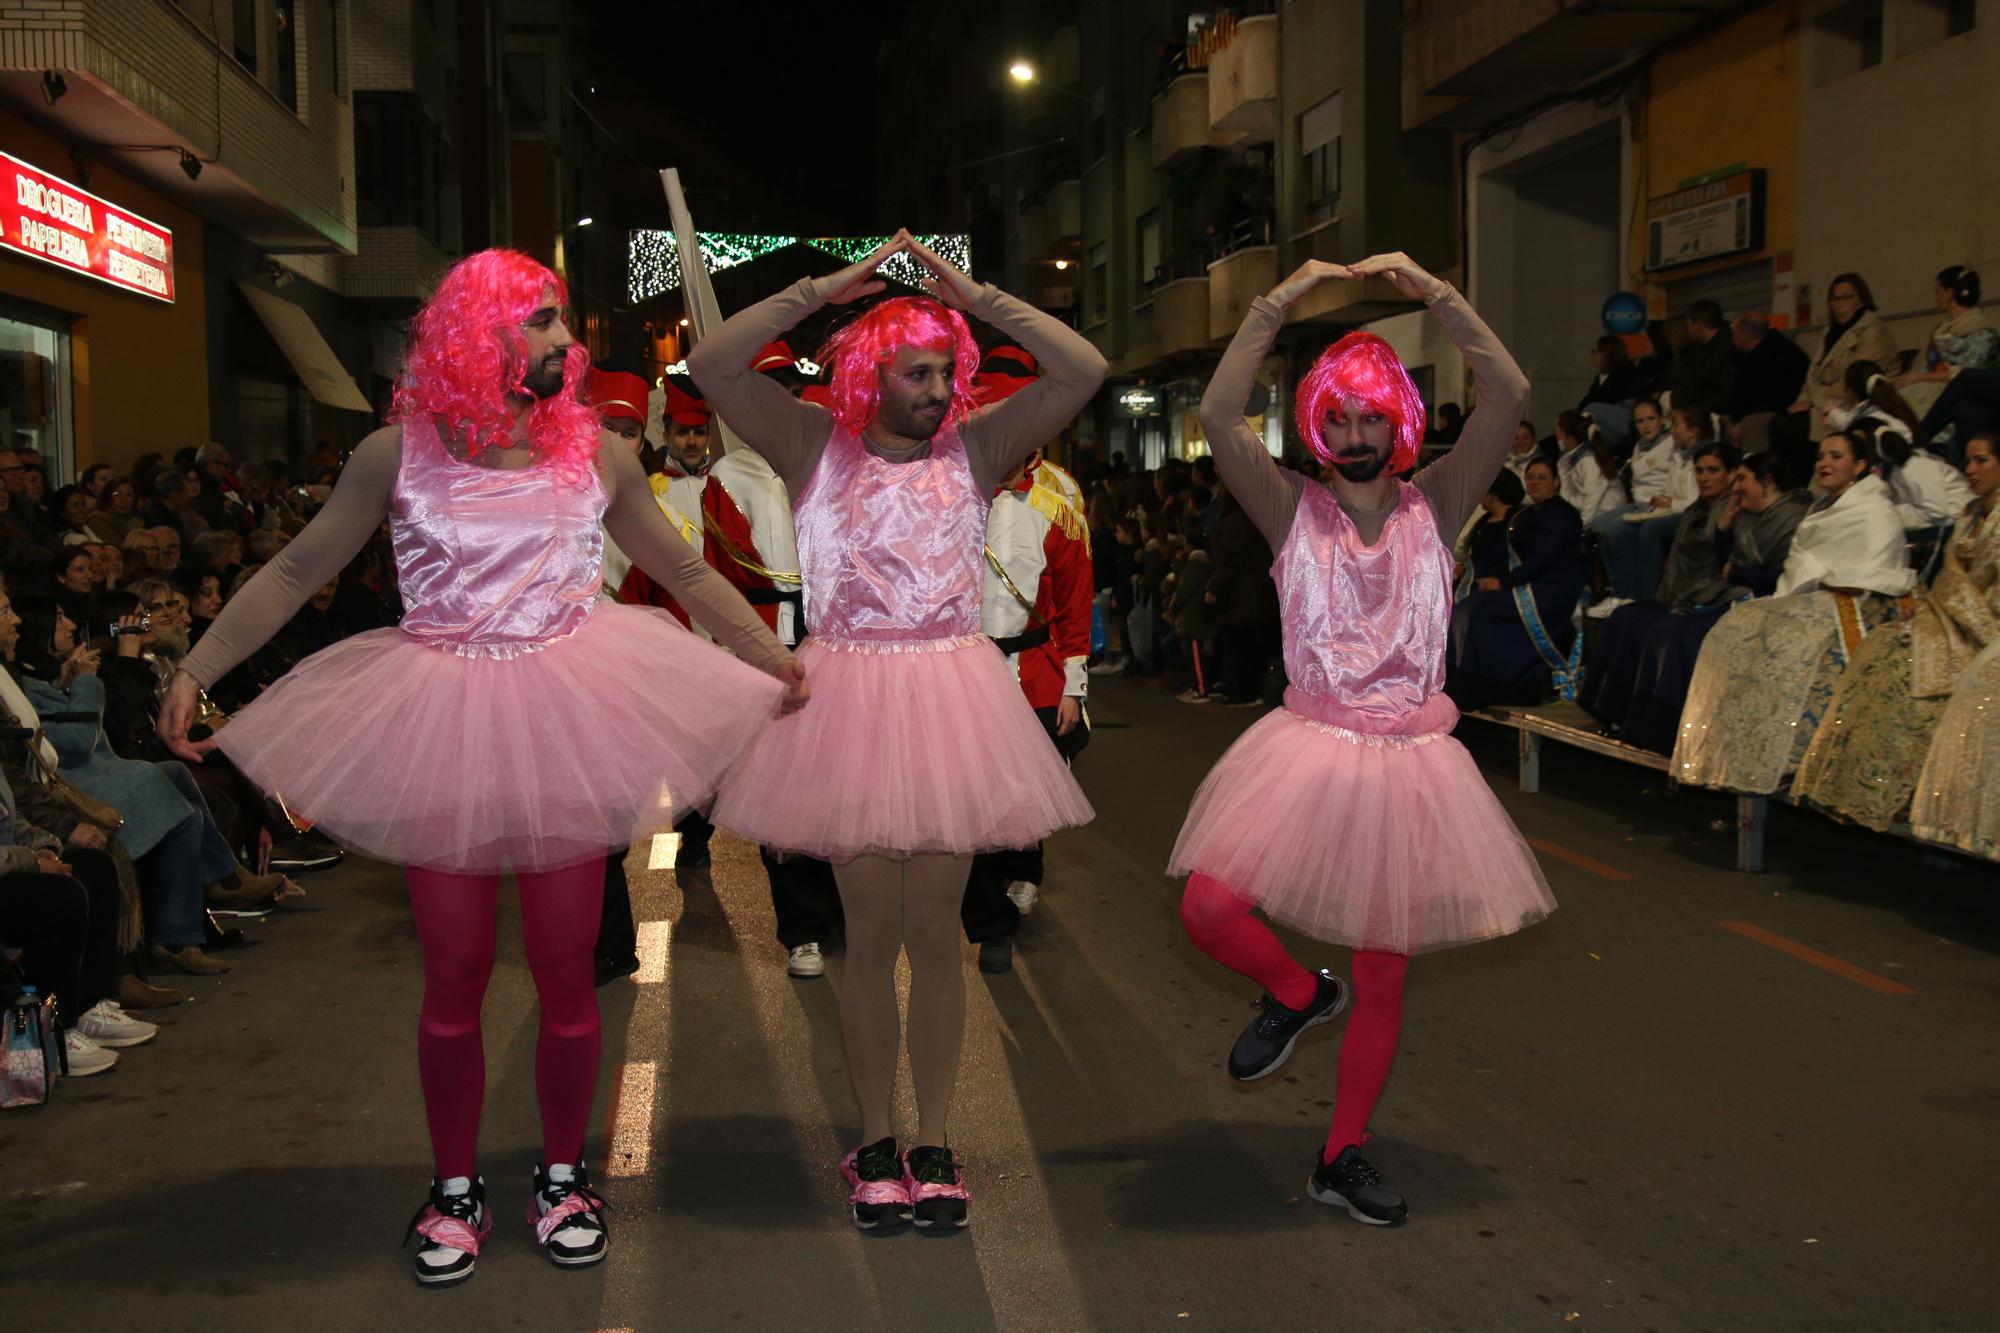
(1056, 497)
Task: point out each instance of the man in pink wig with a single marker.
(496, 726)
(923, 750)
(1351, 814)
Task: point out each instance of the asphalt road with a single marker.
(1692, 1099)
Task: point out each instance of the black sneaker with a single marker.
(295, 856)
(937, 1189)
(1350, 1181)
(996, 956)
(453, 1226)
(1267, 1043)
(568, 1219)
(880, 1198)
(609, 970)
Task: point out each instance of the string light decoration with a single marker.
(653, 261)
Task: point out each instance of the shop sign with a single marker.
(1139, 402)
(47, 218)
(1706, 221)
(1623, 312)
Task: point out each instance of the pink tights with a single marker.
(457, 922)
(1221, 925)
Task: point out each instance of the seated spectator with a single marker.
(170, 496)
(1770, 371)
(142, 552)
(1656, 368)
(167, 555)
(73, 507)
(1636, 536)
(1481, 551)
(1617, 380)
(1930, 494)
(218, 496)
(220, 553)
(1854, 332)
(95, 478)
(1969, 406)
(1512, 635)
(1877, 732)
(1766, 674)
(76, 576)
(1591, 472)
(167, 826)
(1962, 340)
(264, 545)
(1732, 541)
(1704, 374)
(115, 518)
(110, 564)
(1448, 422)
(1524, 450)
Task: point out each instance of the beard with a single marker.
(918, 421)
(171, 643)
(1362, 468)
(545, 378)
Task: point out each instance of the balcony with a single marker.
(1234, 281)
(1180, 121)
(1243, 82)
(1052, 225)
(1181, 316)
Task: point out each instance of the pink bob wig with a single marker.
(1362, 369)
(859, 349)
(466, 353)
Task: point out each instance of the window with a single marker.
(400, 163)
(1095, 134)
(1319, 172)
(527, 90)
(286, 39)
(35, 391)
(1147, 234)
(1922, 23)
(243, 33)
(1100, 285)
(1846, 40)
(333, 51)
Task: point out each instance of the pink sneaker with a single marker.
(453, 1226)
(936, 1188)
(881, 1196)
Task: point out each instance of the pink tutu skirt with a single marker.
(412, 753)
(1378, 842)
(905, 748)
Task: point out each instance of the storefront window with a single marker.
(35, 392)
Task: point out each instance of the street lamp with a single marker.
(1022, 71)
(585, 221)
(1024, 74)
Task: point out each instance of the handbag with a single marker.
(30, 1050)
(81, 803)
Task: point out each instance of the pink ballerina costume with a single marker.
(511, 718)
(917, 738)
(1350, 813)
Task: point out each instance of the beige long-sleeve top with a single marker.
(791, 435)
(1868, 339)
(361, 501)
(1452, 486)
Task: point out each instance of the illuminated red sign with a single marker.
(49, 219)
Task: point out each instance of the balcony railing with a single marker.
(1243, 80)
(1234, 281)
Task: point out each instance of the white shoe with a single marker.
(108, 1025)
(1602, 610)
(1022, 895)
(86, 1057)
(806, 961)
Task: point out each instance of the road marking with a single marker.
(1805, 953)
(628, 1138)
(655, 938)
(660, 856)
(1578, 859)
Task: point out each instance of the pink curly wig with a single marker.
(1362, 368)
(860, 348)
(466, 352)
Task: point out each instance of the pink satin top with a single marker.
(1365, 626)
(492, 562)
(890, 552)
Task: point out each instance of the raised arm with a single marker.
(634, 520)
(352, 514)
(1267, 492)
(999, 438)
(1454, 484)
(789, 434)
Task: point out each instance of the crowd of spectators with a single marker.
(123, 864)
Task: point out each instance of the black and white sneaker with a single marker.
(453, 1227)
(1350, 1181)
(1267, 1043)
(568, 1218)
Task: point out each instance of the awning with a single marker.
(305, 347)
